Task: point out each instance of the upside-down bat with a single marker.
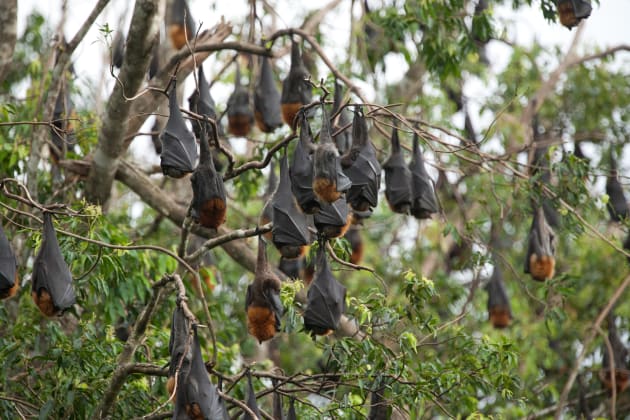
(397, 178)
(617, 205)
(292, 267)
(326, 298)
(291, 415)
(343, 140)
(277, 401)
(541, 164)
(333, 220)
(224, 411)
(266, 215)
(296, 91)
(499, 311)
(62, 134)
(52, 289)
(302, 170)
(262, 302)
(178, 348)
(200, 102)
(179, 148)
(540, 260)
(118, 50)
(208, 202)
(329, 181)
(620, 357)
(267, 99)
(361, 166)
(571, 12)
(9, 278)
(251, 399)
(379, 409)
(197, 397)
(181, 25)
(240, 115)
(353, 235)
(423, 201)
(289, 232)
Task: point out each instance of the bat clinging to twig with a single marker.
(540, 260)
(397, 178)
(240, 115)
(499, 310)
(267, 99)
(9, 280)
(423, 201)
(296, 90)
(302, 170)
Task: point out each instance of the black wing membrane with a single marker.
(118, 50)
(9, 281)
(343, 139)
(333, 220)
(290, 232)
(179, 148)
(267, 99)
(329, 180)
(291, 415)
(178, 348)
(499, 310)
(201, 102)
(197, 397)
(296, 91)
(302, 170)
(277, 402)
(251, 400)
(326, 298)
(52, 288)
(617, 204)
(540, 259)
(361, 166)
(397, 178)
(423, 201)
(240, 115)
(209, 204)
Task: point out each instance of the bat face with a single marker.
(197, 397)
(397, 178)
(499, 310)
(571, 12)
(200, 102)
(343, 140)
(296, 91)
(423, 201)
(209, 202)
(361, 166)
(333, 220)
(251, 400)
(326, 299)
(290, 232)
(302, 171)
(9, 280)
(52, 289)
(240, 115)
(267, 99)
(179, 148)
(329, 181)
(540, 260)
(262, 302)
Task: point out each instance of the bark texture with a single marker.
(8, 35)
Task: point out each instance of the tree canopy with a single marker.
(325, 242)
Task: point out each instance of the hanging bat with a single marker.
(291, 415)
(397, 178)
(540, 164)
(267, 99)
(200, 102)
(617, 205)
(329, 181)
(179, 148)
(208, 202)
(9, 278)
(571, 12)
(499, 310)
(379, 409)
(118, 50)
(262, 302)
(333, 220)
(302, 170)
(224, 410)
(52, 289)
(620, 357)
(361, 166)
(154, 65)
(423, 201)
(343, 140)
(353, 235)
(290, 232)
(181, 25)
(540, 261)
(326, 298)
(277, 401)
(293, 268)
(240, 115)
(251, 400)
(178, 348)
(296, 90)
(197, 397)
(266, 215)
(62, 132)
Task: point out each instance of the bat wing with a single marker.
(8, 263)
(291, 415)
(179, 148)
(238, 103)
(289, 226)
(267, 97)
(398, 186)
(251, 399)
(365, 174)
(295, 88)
(540, 240)
(617, 204)
(335, 214)
(301, 172)
(423, 201)
(201, 102)
(177, 343)
(50, 271)
(273, 299)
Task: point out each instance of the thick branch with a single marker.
(8, 35)
(142, 31)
